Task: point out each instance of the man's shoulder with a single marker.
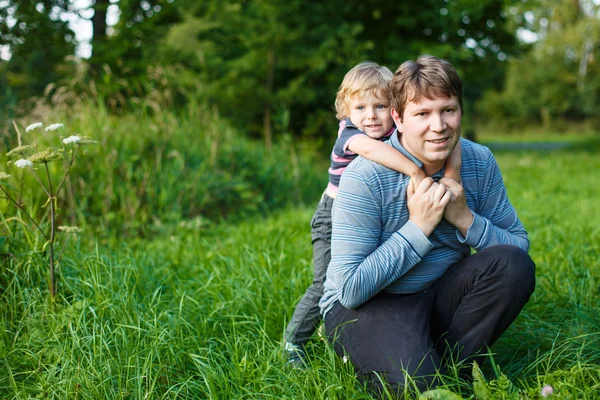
(475, 153)
(367, 168)
(373, 175)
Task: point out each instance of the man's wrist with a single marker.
(465, 222)
(426, 228)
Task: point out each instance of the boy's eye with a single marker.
(360, 108)
(382, 107)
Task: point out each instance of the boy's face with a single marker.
(371, 114)
(430, 129)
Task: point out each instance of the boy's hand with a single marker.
(453, 164)
(415, 180)
(457, 212)
(427, 203)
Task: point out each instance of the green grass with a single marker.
(194, 310)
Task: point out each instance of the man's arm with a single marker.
(360, 267)
(494, 222)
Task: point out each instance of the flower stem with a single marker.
(68, 169)
(20, 207)
(52, 232)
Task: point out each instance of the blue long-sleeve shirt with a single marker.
(374, 245)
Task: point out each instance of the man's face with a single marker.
(430, 129)
(371, 114)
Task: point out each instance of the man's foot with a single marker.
(296, 356)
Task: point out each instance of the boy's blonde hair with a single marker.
(365, 78)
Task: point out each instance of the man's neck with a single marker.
(429, 169)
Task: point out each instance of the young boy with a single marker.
(363, 108)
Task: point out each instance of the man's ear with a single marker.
(397, 119)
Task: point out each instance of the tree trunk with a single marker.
(267, 110)
(98, 32)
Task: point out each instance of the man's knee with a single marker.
(515, 267)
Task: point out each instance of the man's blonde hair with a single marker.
(365, 78)
(429, 76)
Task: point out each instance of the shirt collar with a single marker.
(395, 142)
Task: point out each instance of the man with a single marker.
(403, 294)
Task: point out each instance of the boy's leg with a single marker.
(478, 298)
(387, 339)
(307, 315)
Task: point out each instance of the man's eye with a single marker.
(449, 110)
(422, 114)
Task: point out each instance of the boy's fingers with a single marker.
(410, 191)
(450, 183)
(424, 185)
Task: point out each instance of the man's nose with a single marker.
(438, 124)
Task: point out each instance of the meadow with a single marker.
(196, 247)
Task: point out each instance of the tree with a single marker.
(557, 78)
(38, 41)
(254, 57)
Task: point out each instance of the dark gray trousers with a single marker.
(461, 315)
(307, 315)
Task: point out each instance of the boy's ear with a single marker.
(397, 119)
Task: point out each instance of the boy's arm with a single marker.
(453, 164)
(387, 156)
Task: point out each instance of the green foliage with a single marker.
(38, 41)
(247, 58)
(47, 186)
(252, 56)
(150, 169)
(198, 311)
(557, 78)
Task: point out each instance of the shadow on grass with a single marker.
(590, 144)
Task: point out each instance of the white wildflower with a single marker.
(34, 126)
(345, 359)
(4, 176)
(72, 139)
(23, 163)
(70, 229)
(53, 127)
(547, 391)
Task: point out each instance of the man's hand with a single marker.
(427, 203)
(457, 212)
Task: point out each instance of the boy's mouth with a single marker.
(373, 126)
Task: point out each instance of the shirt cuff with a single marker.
(416, 238)
(474, 233)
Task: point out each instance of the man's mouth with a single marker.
(438, 141)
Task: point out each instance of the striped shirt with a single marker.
(341, 156)
(374, 245)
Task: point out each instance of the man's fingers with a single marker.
(440, 191)
(446, 198)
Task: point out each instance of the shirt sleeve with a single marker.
(495, 220)
(348, 132)
(360, 265)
